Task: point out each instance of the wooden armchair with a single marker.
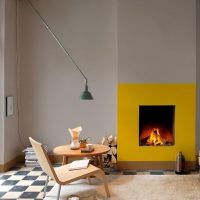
(61, 174)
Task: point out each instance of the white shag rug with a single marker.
(136, 187)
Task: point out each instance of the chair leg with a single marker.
(105, 185)
(45, 188)
(58, 195)
(102, 176)
(89, 180)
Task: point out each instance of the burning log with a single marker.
(155, 138)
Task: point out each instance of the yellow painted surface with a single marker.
(131, 96)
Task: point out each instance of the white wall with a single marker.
(50, 85)
(156, 41)
(12, 145)
(2, 25)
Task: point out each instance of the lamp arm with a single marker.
(57, 40)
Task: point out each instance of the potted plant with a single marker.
(83, 142)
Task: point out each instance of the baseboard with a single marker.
(12, 163)
(20, 159)
(121, 165)
(152, 165)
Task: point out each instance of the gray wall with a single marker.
(9, 142)
(2, 24)
(198, 73)
(156, 41)
(11, 139)
(149, 41)
(50, 85)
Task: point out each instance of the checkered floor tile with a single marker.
(23, 183)
(28, 183)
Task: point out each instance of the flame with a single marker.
(155, 138)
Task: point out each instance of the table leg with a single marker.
(96, 161)
(101, 162)
(65, 160)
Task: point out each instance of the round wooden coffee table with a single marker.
(66, 152)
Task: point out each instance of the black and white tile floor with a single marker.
(23, 183)
(28, 182)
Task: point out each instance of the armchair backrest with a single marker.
(43, 158)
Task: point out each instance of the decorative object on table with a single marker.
(180, 163)
(88, 149)
(85, 95)
(31, 158)
(83, 142)
(90, 146)
(75, 132)
(110, 158)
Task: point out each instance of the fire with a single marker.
(155, 138)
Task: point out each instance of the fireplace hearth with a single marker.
(156, 125)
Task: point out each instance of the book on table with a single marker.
(87, 150)
(79, 164)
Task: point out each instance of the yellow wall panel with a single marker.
(131, 96)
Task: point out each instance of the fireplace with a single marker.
(156, 125)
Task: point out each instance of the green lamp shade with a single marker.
(86, 95)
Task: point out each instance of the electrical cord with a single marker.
(19, 132)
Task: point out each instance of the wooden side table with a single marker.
(66, 152)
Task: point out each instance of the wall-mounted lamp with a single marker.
(85, 95)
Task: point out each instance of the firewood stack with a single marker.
(110, 158)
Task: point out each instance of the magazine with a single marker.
(79, 164)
